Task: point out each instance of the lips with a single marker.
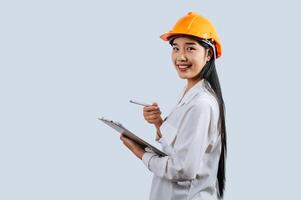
(183, 67)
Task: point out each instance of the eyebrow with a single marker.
(187, 43)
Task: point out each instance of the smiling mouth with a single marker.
(183, 67)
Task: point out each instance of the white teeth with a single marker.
(183, 66)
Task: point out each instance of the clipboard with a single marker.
(121, 129)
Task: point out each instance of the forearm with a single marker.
(132, 146)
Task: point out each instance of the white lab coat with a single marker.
(191, 139)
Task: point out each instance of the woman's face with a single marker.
(189, 57)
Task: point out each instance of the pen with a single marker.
(138, 103)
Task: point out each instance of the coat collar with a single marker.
(186, 98)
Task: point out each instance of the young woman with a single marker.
(194, 134)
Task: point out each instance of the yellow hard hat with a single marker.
(198, 26)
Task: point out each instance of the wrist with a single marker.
(159, 123)
(158, 134)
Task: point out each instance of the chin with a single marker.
(184, 76)
(181, 75)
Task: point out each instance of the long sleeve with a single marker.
(190, 144)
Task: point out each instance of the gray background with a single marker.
(65, 63)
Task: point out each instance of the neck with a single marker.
(191, 83)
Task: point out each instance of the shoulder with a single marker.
(204, 99)
(205, 102)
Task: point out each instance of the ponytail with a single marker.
(209, 73)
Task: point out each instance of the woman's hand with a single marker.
(133, 146)
(152, 115)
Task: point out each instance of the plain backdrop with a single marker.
(65, 63)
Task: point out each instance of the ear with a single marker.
(209, 55)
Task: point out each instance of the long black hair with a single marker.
(209, 73)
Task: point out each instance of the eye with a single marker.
(190, 48)
(175, 48)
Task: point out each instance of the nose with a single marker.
(182, 57)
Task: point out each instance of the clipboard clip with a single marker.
(115, 122)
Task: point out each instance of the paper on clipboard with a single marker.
(121, 129)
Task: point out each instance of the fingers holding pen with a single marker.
(152, 113)
(151, 108)
(152, 117)
(149, 113)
